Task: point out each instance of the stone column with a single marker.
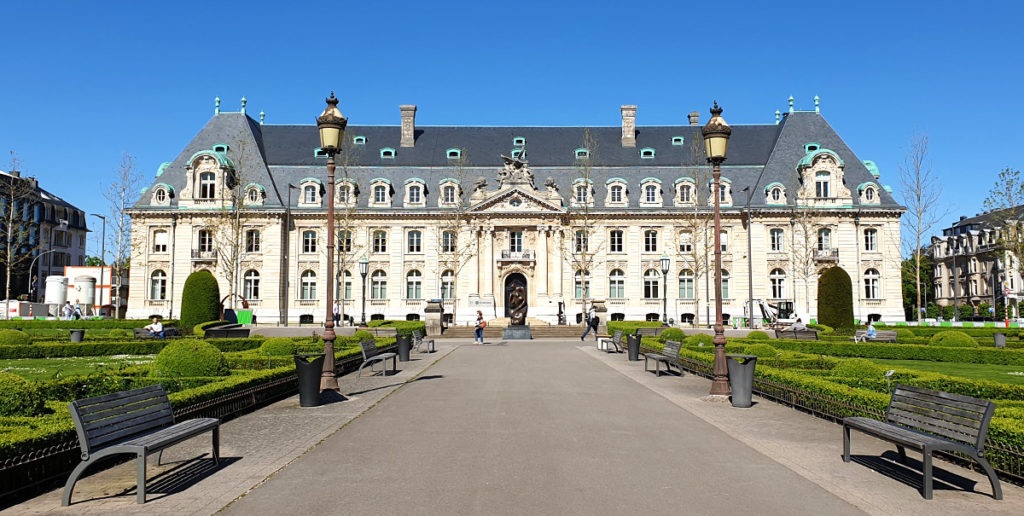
(556, 277)
(542, 261)
(488, 262)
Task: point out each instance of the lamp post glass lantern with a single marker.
(364, 268)
(716, 142)
(664, 288)
(331, 126)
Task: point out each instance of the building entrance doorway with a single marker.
(511, 282)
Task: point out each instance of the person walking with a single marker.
(337, 312)
(592, 322)
(67, 310)
(478, 333)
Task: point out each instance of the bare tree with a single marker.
(456, 239)
(581, 249)
(920, 190)
(121, 194)
(345, 220)
(229, 226)
(695, 242)
(806, 249)
(17, 198)
(1007, 198)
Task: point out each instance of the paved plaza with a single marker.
(529, 427)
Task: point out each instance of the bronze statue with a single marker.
(517, 305)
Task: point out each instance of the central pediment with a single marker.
(515, 199)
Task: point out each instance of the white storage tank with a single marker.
(56, 292)
(85, 292)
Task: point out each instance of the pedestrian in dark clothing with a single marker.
(592, 322)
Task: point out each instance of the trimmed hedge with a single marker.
(200, 299)
(835, 300)
(14, 338)
(199, 329)
(700, 338)
(758, 335)
(403, 327)
(189, 358)
(673, 334)
(18, 397)
(628, 327)
(83, 323)
(952, 339)
(59, 349)
(761, 350)
(904, 352)
(278, 346)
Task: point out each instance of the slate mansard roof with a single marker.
(759, 155)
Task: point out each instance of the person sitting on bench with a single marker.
(870, 334)
(156, 329)
(798, 325)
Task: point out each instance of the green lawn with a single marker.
(49, 368)
(998, 373)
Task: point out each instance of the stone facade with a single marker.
(613, 209)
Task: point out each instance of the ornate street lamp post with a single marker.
(716, 141)
(331, 125)
(364, 267)
(664, 288)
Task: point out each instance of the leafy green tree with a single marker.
(983, 310)
(947, 312)
(200, 299)
(93, 261)
(966, 312)
(835, 300)
(909, 273)
(1000, 310)
(933, 311)
(1007, 198)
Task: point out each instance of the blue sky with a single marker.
(141, 76)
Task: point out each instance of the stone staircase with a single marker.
(496, 327)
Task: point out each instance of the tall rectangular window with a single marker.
(515, 241)
(776, 239)
(650, 241)
(685, 242)
(415, 242)
(615, 244)
(870, 239)
(380, 242)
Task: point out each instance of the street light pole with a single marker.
(103, 252)
(287, 253)
(331, 125)
(716, 140)
(664, 290)
(364, 268)
(750, 264)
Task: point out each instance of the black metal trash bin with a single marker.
(1000, 339)
(741, 378)
(633, 347)
(77, 335)
(404, 347)
(309, 378)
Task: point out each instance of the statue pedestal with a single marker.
(432, 317)
(517, 332)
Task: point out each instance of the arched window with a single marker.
(159, 241)
(777, 278)
(652, 279)
(821, 182)
(616, 193)
(158, 285)
(448, 194)
(414, 285)
(725, 284)
(824, 239)
(776, 239)
(685, 193)
(309, 194)
(309, 241)
(307, 286)
(252, 241)
(448, 242)
(380, 242)
(254, 195)
(251, 285)
(616, 284)
(869, 194)
(380, 194)
(651, 193)
(415, 242)
(686, 284)
(871, 277)
(447, 285)
(722, 191)
(776, 194)
(207, 185)
(582, 284)
(870, 239)
(379, 285)
(205, 241)
(650, 241)
(161, 195)
(415, 196)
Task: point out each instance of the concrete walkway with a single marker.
(530, 427)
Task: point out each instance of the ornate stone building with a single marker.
(467, 214)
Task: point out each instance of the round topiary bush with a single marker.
(758, 335)
(904, 334)
(200, 299)
(835, 300)
(278, 346)
(673, 334)
(761, 350)
(859, 368)
(700, 339)
(362, 335)
(14, 338)
(18, 396)
(190, 357)
(952, 339)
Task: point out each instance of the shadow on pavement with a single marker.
(398, 384)
(910, 473)
(185, 474)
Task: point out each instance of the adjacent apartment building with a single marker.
(468, 213)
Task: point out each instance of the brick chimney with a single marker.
(408, 125)
(629, 126)
(694, 117)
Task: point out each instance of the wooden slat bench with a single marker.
(371, 354)
(797, 334)
(650, 332)
(383, 332)
(142, 333)
(611, 343)
(881, 336)
(669, 355)
(418, 341)
(931, 421)
(137, 422)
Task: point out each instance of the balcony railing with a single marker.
(827, 255)
(523, 256)
(201, 255)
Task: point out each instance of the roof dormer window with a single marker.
(581, 153)
(811, 147)
(453, 153)
(677, 140)
(518, 141)
(359, 140)
(387, 153)
(220, 147)
(516, 152)
(647, 153)
(319, 153)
